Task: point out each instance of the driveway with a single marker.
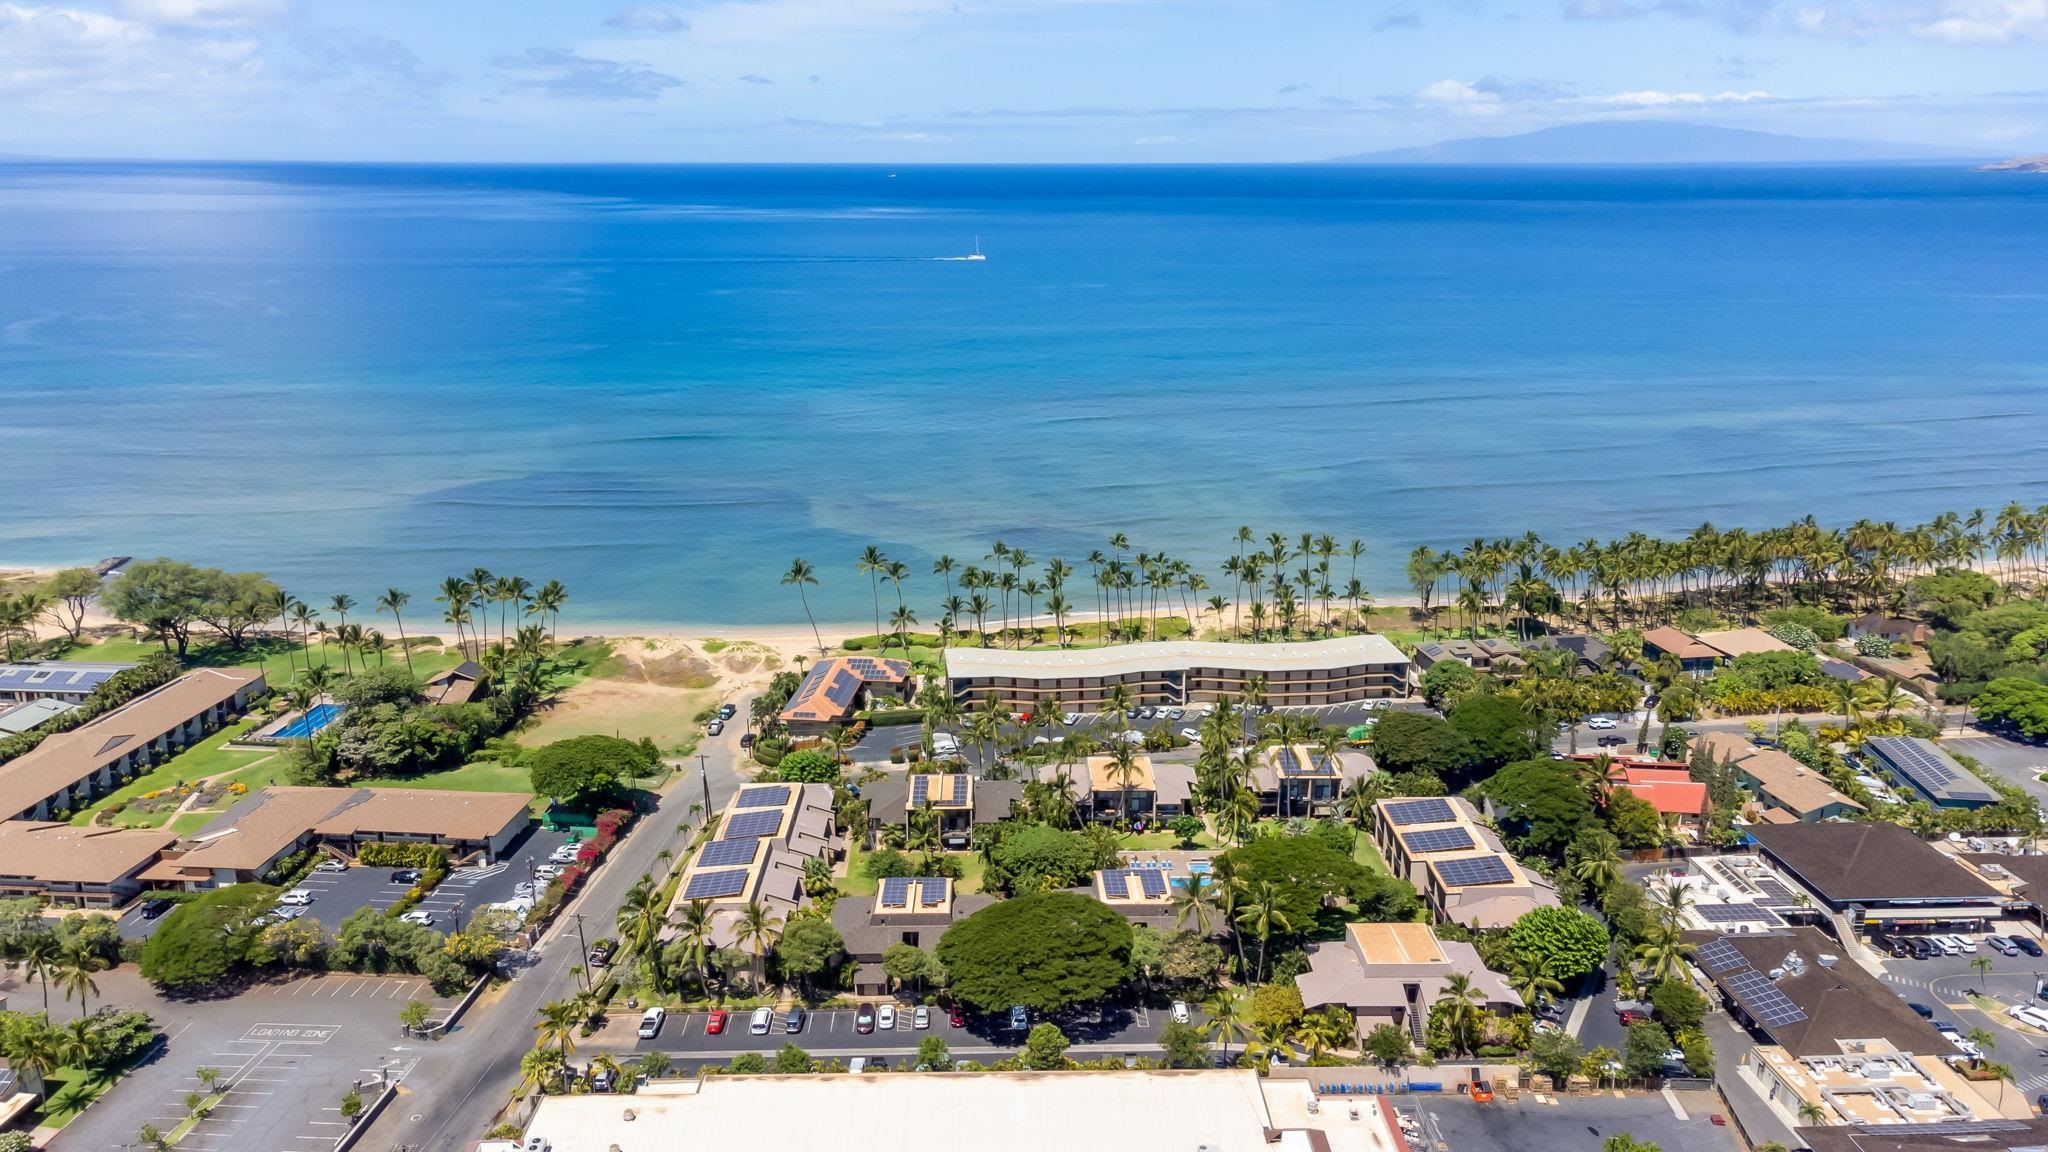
(2011, 760)
(1121, 1030)
(468, 889)
(1676, 1121)
(1944, 983)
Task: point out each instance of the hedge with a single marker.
(380, 854)
(876, 717)
(863, 643)
(154, 672)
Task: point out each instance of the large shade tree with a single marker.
(1047, 952)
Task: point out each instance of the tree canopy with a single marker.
(169, 596)
(2021, 705)
(1540, 805)
(1037, 855)
(1496, 727)
(809, 766)
(1573, 942)
(1304, 872)
(1414, 742)
(1045, 951)
(205, 939)
(583, 767)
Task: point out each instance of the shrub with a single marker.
(386, 855)
(205, 940)
(1876, 647)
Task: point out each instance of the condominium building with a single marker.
(1456, 863)
(1182, 672)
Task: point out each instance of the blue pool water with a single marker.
(317, 717)
(659, 384)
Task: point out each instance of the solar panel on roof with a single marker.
(1438, 840)
(1153, 882)
(1116, 884)
(932, 891)
(1731, 913)
(1475, 871)
(1719, 956)
(764, 796)
(748, 825)
(1765, 1002)
(1290, 764)
(1774, 892)
(716, 885)
(726, 853)
(896, 891)
(843, 688)
(1431, 811)
(920, 790)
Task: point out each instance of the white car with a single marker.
(526, 888)
(922, 1018)
(330, 866)
(1131, 737)
(1189, 734)
(566, 854)
(1070, 718)
(886, 1019)
(1181, 1014)
(548, 871)
(297, 896)
(1964, 944)
(420, 917)
(2028, 1014)
(1600, 723)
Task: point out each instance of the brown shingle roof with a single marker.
(1668, 639)
(1789, 782)
(830, 687)
(1868, 863)
(67, 854)
(419, 812)
(254, 831)
(1840, 1002)
(68, 757)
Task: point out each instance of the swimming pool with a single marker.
(313, 720)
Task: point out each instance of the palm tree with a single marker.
(1598, 873)
(1532, 981)
(1985, 1041)
(39, 958)
(1846, 696)
(302, 615)
(74, 976)
(455, 594)
(1320, 1032)
(1123, 768)
(341, 603)
(1662, 949)
(693, 924)
(873, 564)
(758, 929)
(394, 601)
(901, 620)
(1460, 1002)
(801, 573)
(37, 1050)
(539, 1070)
(1812, 1112)
(548, 603)
(1226, 1020)
(280, 605)
(481, 584)
(557, 1026)
(1196, 900)
(1261, 915)
(639, 920)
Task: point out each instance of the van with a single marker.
(857, 1065)
(650, 1023)
(764, 1018)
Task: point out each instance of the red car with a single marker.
(1628, 1018)
(716, 1024)
(958, 1019)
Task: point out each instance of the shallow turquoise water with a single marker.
(659, 384)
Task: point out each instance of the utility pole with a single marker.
(704, 778)
(583, 957)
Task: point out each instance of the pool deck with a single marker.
(281, 730)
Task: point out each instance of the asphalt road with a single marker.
(462, 1082)
(1944, 983)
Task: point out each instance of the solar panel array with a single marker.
(1720, 956)
(1736, 912)
(1133, 883)
(1474, 871)
(1926, 765)
(896, 891)
(868, 668)
(1949, 1128)
(1431, 811)
(716, 885)
(843, 688)
(1116, 884)
(949, 791)
(1774, 892)
(727, 853)
(1438, 840)
(764, 796)
(1770, 1007)
(750, 825)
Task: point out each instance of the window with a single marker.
(910, 938)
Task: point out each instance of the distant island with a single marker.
(2019, 164)
(1653, 142)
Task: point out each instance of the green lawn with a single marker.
(857, 883)
(68, 1092)
(1367, 853)
(190, 822)
(206, 758)
(1161, 840)
(481, 776)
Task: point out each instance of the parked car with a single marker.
(922, 1018)
(1601, 723)
(2026, 944)
(406, 876)
(728, 711)
(715, 1025)
(2028, 1014)
(297, 897)
(1191, 736)
(1921, 1010)
(1181, 1015)
(864, 1019)
(1070, 718)
(1611, 741)
(1923, 948)
(2002, 945)
(794, 1022)
(526, 888)
(547, 871)
(287, 914)
(602, 1079)
(886, 1020)
(764, 1019)
(419, 916)
(1171, 713)
(151, 909)
(601, 953)
(331, 866)
(566, 854)
(1948, 945)
(714, 728)
(746, 739)
(957, 1017)
(1964, 944)
(651, 1021)
(1020, 1018)
(1628, 1018)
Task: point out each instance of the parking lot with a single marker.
(2015, 762)
(1945, 984)
(338, 895)
(468, 889)
(1676, 1121)
(286, 1053)
(832, 1032)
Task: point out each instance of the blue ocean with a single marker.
(660, 384)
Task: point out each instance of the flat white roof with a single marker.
(1129, 1111)
(1174, 655)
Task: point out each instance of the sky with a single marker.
(941, 81)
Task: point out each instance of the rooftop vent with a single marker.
(1827, 959)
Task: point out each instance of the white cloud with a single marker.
(568, 74)
(1454, 93)
(204, 13)
(1987, 22)
(647, 18)
(1655, 99)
